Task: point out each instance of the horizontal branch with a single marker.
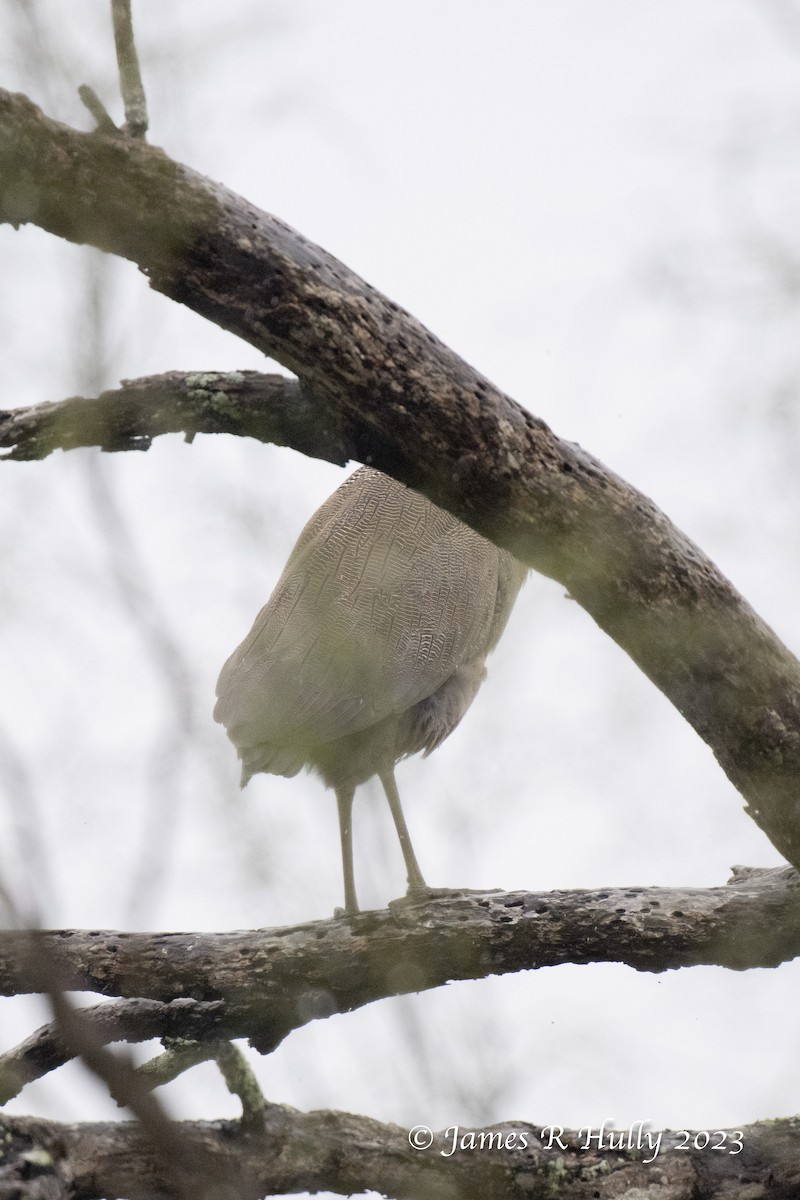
(339, 1152)
(407, 404)
(270, 408)
(261, 984)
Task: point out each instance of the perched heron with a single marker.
(371, 647)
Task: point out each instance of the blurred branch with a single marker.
(262, 984)
(343, 1153)
(402, 401)
(270, 408)
(168, 757)
(139, 1021)
(32, 891)
(76, 1034)
(162, 1137)
(123, 1020)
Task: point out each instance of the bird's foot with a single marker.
(423, 895)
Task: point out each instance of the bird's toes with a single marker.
(423, 895)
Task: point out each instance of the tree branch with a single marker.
(241, 1081)
(262, 984)
(164, 1138)
(94, 104)
(181, 1055)
(270, 408)
(75, 1035)
(407, 404)
(130, 76)
(121, 1021)
(343, 1153)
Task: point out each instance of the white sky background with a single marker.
(595, 204)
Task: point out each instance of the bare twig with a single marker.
(95, 105)
(180, 1054)
(241, 1082)
(130, 76)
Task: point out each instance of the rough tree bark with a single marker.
(313, 1151)
(375, 385)
(262, 984)
(396, 397)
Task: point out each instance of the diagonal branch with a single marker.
(202, 1036)
(123, 1020)
(407, 404)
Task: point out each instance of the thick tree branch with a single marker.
(409, 405)
(262, 984)
(339, 1152)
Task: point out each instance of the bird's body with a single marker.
(371, 648)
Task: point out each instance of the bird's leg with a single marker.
(415, 881)
(344, 800)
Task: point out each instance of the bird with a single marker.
(370, 649)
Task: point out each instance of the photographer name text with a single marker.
(606, 1136)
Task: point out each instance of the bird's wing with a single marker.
(382, 598)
